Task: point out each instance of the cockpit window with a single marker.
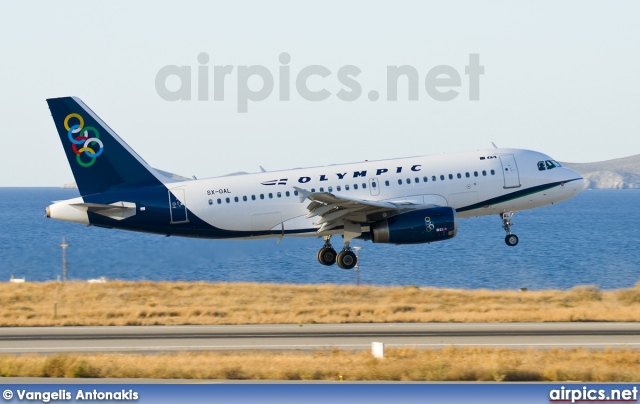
(548, 165)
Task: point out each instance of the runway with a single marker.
(308, 337)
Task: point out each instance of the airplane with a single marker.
(400, 201)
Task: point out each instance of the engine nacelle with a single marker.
(418, 226)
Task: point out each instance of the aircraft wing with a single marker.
(334, 211)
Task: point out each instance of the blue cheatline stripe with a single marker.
(514, 195)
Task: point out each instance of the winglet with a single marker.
(304, 194)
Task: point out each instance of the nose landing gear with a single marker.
(510, 239)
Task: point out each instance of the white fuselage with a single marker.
(400, 201)
(475, 183)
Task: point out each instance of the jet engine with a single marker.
(418, 226)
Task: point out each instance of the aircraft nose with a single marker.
(575, 181)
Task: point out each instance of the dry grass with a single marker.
(155, 303)
(452, 364)
(151, 303)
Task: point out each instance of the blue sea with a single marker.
(592, 239)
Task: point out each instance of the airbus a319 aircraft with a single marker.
(400, 201)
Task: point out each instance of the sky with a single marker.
(557, 77)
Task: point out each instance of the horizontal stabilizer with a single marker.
(172, 176)
(116, 210)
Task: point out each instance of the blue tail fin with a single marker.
(99, 159)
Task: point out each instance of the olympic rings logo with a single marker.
(79, 135)
(428, 224)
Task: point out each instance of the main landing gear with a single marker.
(327, 255)
(510, 239)
(346, 259)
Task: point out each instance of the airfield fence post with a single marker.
(64, 246)
(357, 267)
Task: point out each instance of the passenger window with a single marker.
(364, 186)
(541, 166)
(244, 198)
(338, 188)
(459, 175)
(399, 182)
(475, 173)
(386, 183)
(417, 180)
(228, 200)
(330, 189)
(450, 176)
(253, 197)
(484, 173)
(270, 195)
(346, 187)
(321, 189)
(313, 190)
(219, 201)
(287, 194)
(408, 180)
(493, 172)
(295, 193)
(355, 186)
(467, 175)
(373, 184)
(433, 178)
(425, 179)
(279, 194)
(261, 196)
(235, 198)
(442, 178)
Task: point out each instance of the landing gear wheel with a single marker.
(327, 256)
(346, 259)
(511, 240)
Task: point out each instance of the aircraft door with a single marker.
(374, 186)
(510, 171)
(177, 206)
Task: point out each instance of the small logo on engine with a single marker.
(428, 224)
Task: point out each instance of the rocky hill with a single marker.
(621, 173)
